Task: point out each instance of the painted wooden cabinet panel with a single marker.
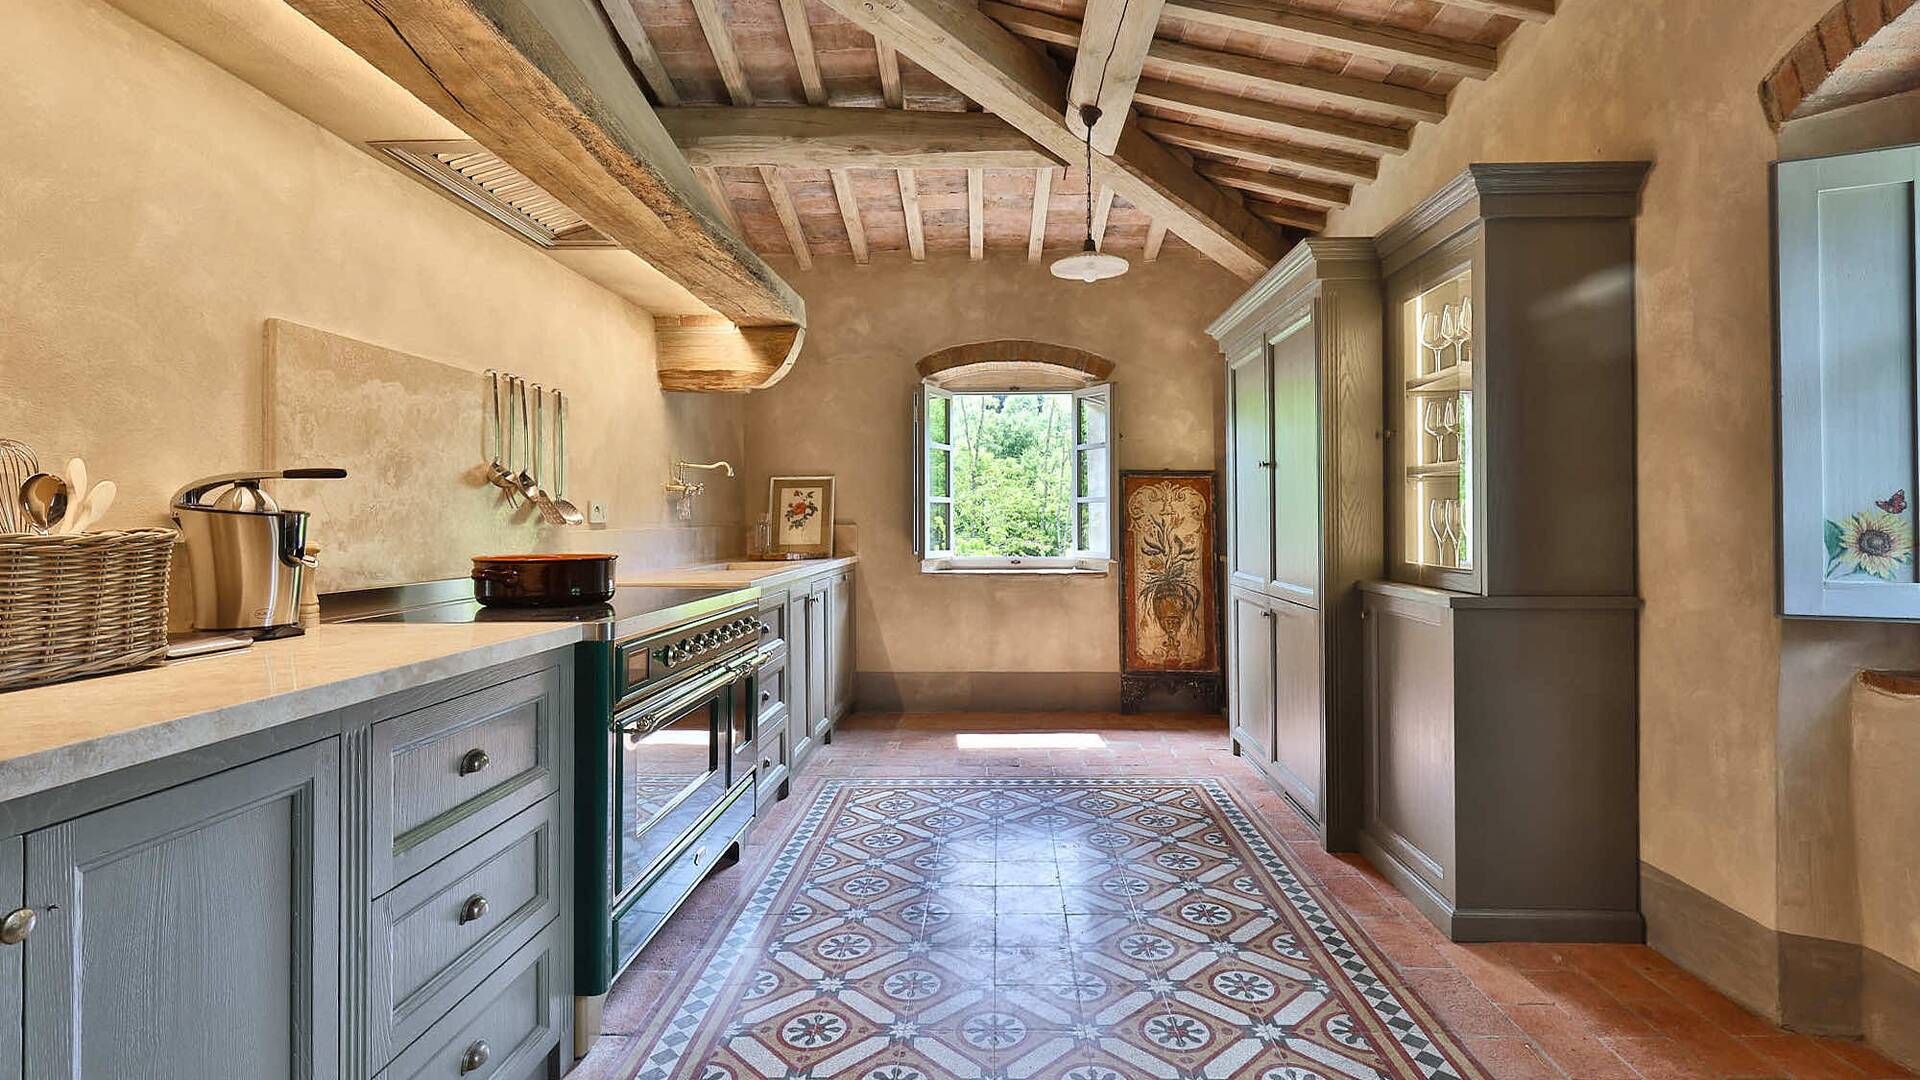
(1847, 254)
(1250, 637)
(800, 638)
(819, 661)
(1249, 467)
(840, 643)
(1295, 360)
(1299, 704)
(192, 930)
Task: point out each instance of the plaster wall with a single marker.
(1674, 84)
(155, 209)
(845, 411)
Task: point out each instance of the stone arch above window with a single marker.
(1860, 50)
(1012, 364)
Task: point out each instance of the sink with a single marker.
(765, 566)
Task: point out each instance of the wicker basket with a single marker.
(81, 605)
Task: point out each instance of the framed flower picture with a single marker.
(801, 510)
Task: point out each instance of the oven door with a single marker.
(669, 770)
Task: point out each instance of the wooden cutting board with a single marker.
(415, 505)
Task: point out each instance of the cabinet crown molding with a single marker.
(1329, 258)
(1522, 189)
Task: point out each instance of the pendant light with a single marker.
(1091, 264)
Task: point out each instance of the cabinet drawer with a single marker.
(775, 758)
(641, 919)
(504, 1027)
(773, 612)
(435, 937)
(771, 694)
(448, 773)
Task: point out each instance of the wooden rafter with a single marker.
(1310, 160)
(910, 205)
(782, 202)
(626, 23)
(976, 214)
(713, 24)
(717, 191)
(800, 36)
(1277, 185)
(1299, 217)
(545, 87)
(1107, 63)
(1376, 41)
(1535, 11)
(982, 60)
(889, 74)
(1102, 211)
(1156, 236)
(818, 137)
(1042, 202)
(1351, 135)
(843, 193)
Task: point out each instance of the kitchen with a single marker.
(250, 245)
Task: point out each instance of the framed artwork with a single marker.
(1169, 586)
(801, 510)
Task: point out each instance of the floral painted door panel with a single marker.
(1169, 599)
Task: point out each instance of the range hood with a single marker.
(473, 175)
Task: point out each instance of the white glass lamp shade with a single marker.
(1089, 266)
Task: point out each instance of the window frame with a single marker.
(1081, 558)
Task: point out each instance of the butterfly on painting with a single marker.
(1895, 505)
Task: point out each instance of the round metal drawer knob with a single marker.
(473, 910)
(474, 760)
(476, 1057)
(17, 925)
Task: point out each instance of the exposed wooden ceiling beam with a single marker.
(889, 74)
(1117, 34)
(815, 137)
(717, 191)
(1042, 202)
(1302, 83)
(782, 202)
(843, 194)
(1351, 135)
(800, 36)
(1299, 217)
(1306, 84)
(910, 204)
(1375, 41)
(626, 23)
(979, 58)
(713, 24)
(1156, 236)
(1102, 213)
(547, 89)
(1310, 160)
(976, 214)
(1277, 185)
(1535, 11)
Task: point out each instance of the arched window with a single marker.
(1015, 464)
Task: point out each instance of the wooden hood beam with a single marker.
(543, 85)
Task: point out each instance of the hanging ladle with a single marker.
(529, 485)
(558, 430)
(497, 472)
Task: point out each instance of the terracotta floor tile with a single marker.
(1710, 1003)
(1461, 1005)
(1567, 1044)
(1660, 1058)
(1621, 970)
(1865, 1058)
(1512, 1059)
(1589, 1005)
(1803, 1058)
(1408, 946)
(1715, 1050)
(1493, 974)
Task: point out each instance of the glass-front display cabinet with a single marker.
(1433, 341)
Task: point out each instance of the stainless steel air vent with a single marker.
(470, 173)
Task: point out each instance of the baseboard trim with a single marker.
(1808, 984)
(987, 691)
(1501, 924)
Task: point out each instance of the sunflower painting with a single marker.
(1876, 542)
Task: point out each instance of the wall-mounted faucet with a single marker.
(679, 487)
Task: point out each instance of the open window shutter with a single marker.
(1848, 236)
(934, 472)
(1093, 471)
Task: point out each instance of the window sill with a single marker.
(1091, 568)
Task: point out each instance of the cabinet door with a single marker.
(1296, 464)
(1252, 666)
(194, 932)
(1299, 713)
(799, 683)
(13, 896)
(819, 672)
(1250, 470)
(840, 639)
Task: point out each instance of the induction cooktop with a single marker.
(451, 601)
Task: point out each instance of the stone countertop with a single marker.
(56, 735)
(741, 573)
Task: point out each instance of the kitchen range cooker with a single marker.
(664, 692)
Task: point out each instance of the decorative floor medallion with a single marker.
(1045, 929)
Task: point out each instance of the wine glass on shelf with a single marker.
(1464, 324)
(1457, 530)
(1437, 525)
(1434, 423)
(1449, 429)
(1430, 340)
(1449, 334)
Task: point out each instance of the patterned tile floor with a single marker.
(1017, 958)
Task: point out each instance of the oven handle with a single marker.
(646, 721)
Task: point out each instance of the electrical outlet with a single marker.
(596, 513)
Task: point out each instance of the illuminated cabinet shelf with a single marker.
(1499, 726)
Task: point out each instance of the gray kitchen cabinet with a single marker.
(13, 899)
(819, 660)
(191, 933)
(840, 644)
(1501, 657)
(800, 651)
(1303, 519)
